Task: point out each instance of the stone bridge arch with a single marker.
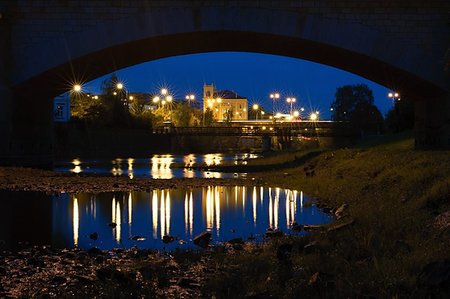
(402, 45)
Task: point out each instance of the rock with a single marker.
(168, 239)
(442, 221)
(186, 282)
(284, 252)
(137, 238)
(436, 276)
(312, 228)
(115, 185)
(339, 211)
(335, 227)
(273, 233)
(94, 251)
(296, 227)
(93, 236)
(203, 239)
(59, 279)
(238, 247)
(2, 271)
(310, 247)
(236, 241)
(314, 278)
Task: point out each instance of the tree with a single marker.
(401, 117)
(354, 103)
(208, 117)
(182, 115)
(117, 113)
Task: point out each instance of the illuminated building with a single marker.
(226, 105)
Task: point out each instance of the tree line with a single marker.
(352, 103)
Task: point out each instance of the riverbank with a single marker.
(391, 237)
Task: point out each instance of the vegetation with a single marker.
(355, 103)
(401, 117)
(388, 236)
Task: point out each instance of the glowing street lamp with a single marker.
(395, 96)
(314, 116)
(190, 98)
(119, 86)
(164, 91)
(274, 96)
(290, 101)
(256, 108)
(77, 88)
(296, 113)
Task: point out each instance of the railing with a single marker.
(304, 128)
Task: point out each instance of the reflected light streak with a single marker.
(191, 214)
(76, 221)
(155, 213)
(189, 160)
(301, 200)
(161, 166)
(244, 197)
(168, 213)
(217, 206)
(186, 212)
(213, 159)
(113, 210)
(261, 194)
(162, 215)
(254, 197)
(276, 207)
(119, 223)
(130, 209)
(209, 209)
(270, 209)
(76, 169)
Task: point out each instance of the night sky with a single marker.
(252, 75)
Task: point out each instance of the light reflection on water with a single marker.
(158, 166)
(227, 212)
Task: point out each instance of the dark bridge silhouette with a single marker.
(266, 128)
(47, 45)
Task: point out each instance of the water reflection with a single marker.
(227, 212)
(158, 166)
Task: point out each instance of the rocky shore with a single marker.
(27, 179)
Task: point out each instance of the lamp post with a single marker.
(290, 101)
(256, 108)
(190, 98)
(274, 96)
(395, 96)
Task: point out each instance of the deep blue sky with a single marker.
(251, 75)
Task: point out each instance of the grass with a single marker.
(393, 194)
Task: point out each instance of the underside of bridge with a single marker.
(26, 105)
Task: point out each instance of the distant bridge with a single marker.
(265, 128)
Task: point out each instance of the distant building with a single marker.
(225, 105)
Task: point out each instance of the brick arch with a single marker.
(400, 44)
(96, 64)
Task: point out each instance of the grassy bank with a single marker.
(390, 233)
(391, 238)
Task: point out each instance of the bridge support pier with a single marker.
(33, 131)
(5, 124)
(432, 123)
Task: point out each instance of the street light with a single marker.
(274, 96)
(190, 98)
(256, 108)
(290, 101)
(77, 88)
(314, 116)
(395, 96)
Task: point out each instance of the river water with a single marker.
(166, 166)
(141, 219)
